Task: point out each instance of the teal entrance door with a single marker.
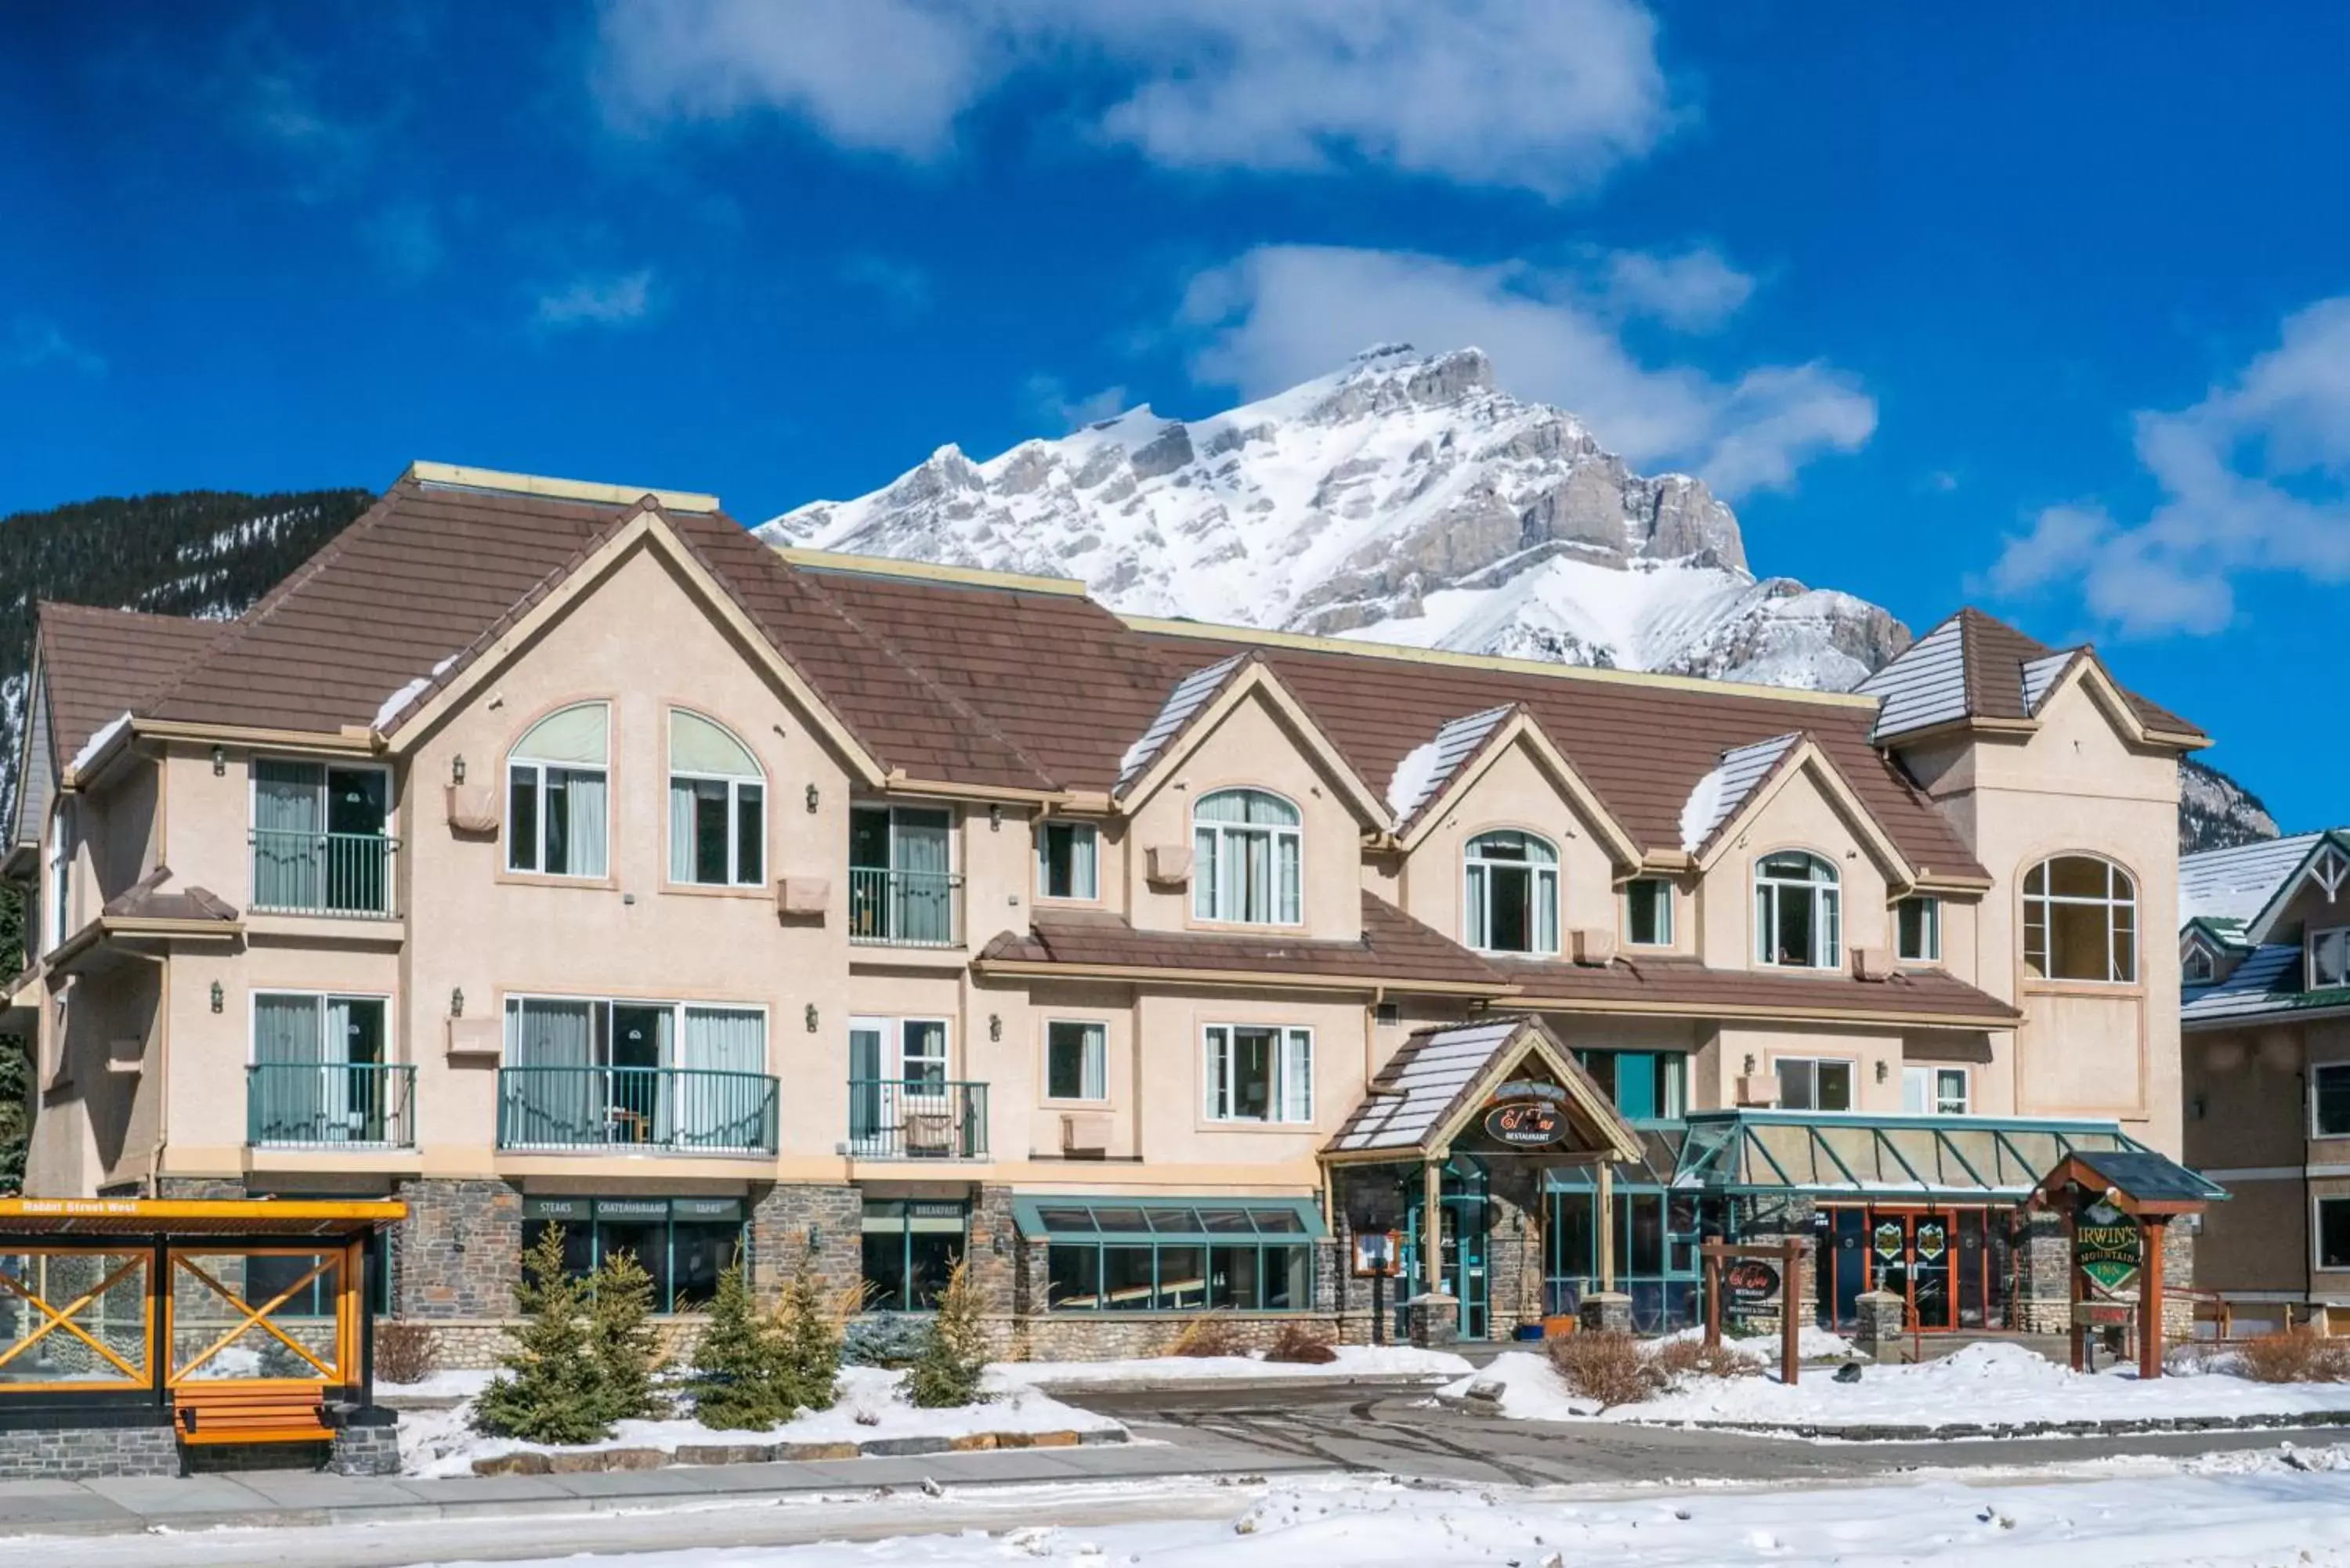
(1461, 1245)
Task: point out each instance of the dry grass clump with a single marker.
(1679, 1358)
(2296, 1356)
(406, 1352)
(1608, 1368)
(1209, 1336)
(1301, 1345)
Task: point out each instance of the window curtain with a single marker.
(288, 818)
(723, 1101)
(1479, 923)
(1296, 1103)
(681, 842)
(1286, 850)
(919, 854)
(550, 1106)
(1204, 873)
(1093, 1067)
(865, 1090)
(1082, 850)
(287, 1053)
(1546, 912)
(1218, 1074)
(582, 800)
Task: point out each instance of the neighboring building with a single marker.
(548, 854)
(2265, 947)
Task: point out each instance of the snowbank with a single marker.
(1982, 1385)
(1355, 1361)
(443, 1442)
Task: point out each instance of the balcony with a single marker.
(330, 1105)
(900, 1119)
(301, 873)
(904, 908)
(636, 1110)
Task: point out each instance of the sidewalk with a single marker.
(278, 1498)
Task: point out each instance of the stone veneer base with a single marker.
(69, 1452)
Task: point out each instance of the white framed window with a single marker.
(2329, 1100)
(316, 1072)
(1814, 1084)
(717, 805)
(2332, 1233)
(587, 1071)
(1648, 913)
(1258, 1072)
(1933, 1091)
(2197, 968)
(57, 903)
(1798, 911)
(923, 1054)
(1076, 1060)
(321, 837)
(2080, 920)
(1512, 893)
(1917, 929)
(1068, 860)
(557, 780)
(1247, 852)
(2329, 958)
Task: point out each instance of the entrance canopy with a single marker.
(1830, 1155)
(166, 1219)
(1438, 1086)
(2139, 1182)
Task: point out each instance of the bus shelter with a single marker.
(219, 1321)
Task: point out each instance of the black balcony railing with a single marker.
(322, 872)
(917, 1119)
(648, 1110)
(330, 1105)
(904, 908)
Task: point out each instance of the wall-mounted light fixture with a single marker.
(996, 1027)
(811, 1017)
(457, 768)
(220, 997)
(1883, 1072)
(220, 761)
(456, 1002)
(1749, 1068)
(811, 800)
(995, 817)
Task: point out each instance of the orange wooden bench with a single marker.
(286, 1413)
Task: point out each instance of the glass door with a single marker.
(1931, 1256)
(637, 1109)
(866, 1037)
(1460, 1248)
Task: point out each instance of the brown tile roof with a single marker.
(1993, 658)
(145, 900)
(1395, 948)
(100, 664)
(1642, 748)
(1686, 985)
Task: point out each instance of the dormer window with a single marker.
(1798, 911)
(2329, 958)
(1249, 853)
(555, 793)
(1512, 893)
(1067, 860)
(1917, 929)
(717, 811)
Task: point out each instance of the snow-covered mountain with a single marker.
(1404, 499)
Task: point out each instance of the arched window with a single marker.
(717, 805)
(1248, 850)
(2080, 920)
(1512, 893)
(556, 782)
(1798, 914)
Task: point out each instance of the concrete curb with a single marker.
(1239, 1385)
(589, 1462)
(1957, 1431)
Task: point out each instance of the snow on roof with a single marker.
(2267, 981)
(96, 743)
(2235, 884)
(1719, 793)
(2040, 674)
(1425, 770)
(1925, 687)
(1423, 1081)
(1190, 695)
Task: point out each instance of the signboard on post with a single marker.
(1751, 1285)
(1762, 1272)
(2107, 1244)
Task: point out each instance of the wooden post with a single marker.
(1790, 1327)
(1432, 1227)
(2149, 1297)
(2078, 1329)
(1712, 1292)
(1606, 1190)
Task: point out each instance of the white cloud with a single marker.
(2254, 478)
(1694, 291)
(34, 344)
(1283, 314)
(615, 300)
(1547, 97)
(1049, 397)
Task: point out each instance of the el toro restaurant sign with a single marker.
(2107, 1245)
(1527, 1114)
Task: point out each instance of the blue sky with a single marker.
(2046, 312)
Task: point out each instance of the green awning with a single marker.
(1214, 1220)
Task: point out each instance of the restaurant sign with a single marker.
(1750, 1284)
(1525, 1124)
(2107, 1245)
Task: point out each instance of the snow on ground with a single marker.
(2216, 1516)
(1356, 1361)
(442, 1443)
(441, 1386)
(2002, 1385)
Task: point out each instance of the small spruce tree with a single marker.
(954, 1353)
(808, 1340)
(738, 1383)
(622, 1342)
(547, 1394)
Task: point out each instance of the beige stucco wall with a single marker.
(1800, 814)
(1514, 790)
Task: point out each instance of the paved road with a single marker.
(1404, 1431)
